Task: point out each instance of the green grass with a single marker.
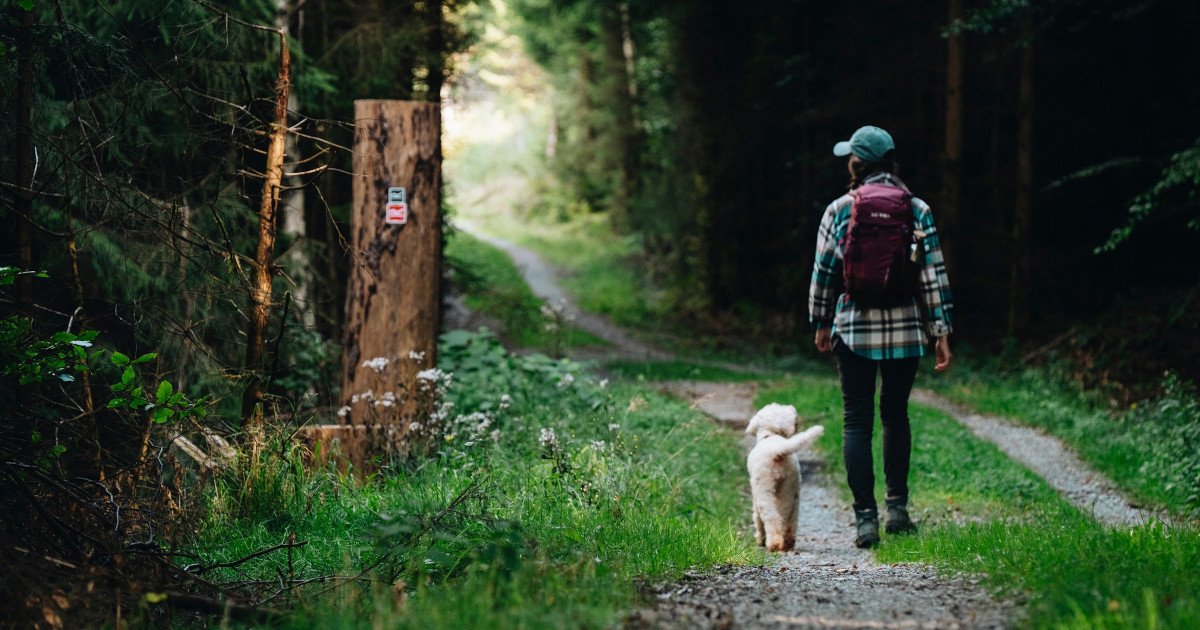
(678, 370)
(982, 513)
(637, 486)
(494, 287)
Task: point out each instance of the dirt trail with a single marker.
(1052, 460)
(543, 282)
(825, 582)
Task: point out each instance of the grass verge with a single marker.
(982, 513)
(548, 497)
(493, 286)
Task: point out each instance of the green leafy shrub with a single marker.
(1170, 424)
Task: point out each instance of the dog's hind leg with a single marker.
(773, 525)
(789, 527)
(760, 532)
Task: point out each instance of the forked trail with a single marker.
(826, 582)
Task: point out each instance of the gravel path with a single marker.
(543, 282)
(728, 403)
(1052, 460)
(825, 582)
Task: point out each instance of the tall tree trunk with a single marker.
(618, 91)
(23, 205)
(1019, 279)
(260, 292)
(952, 155)
(392, 302)
(291, 198)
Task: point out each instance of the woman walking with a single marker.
(879, 293)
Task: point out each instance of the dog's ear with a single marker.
(752, 426)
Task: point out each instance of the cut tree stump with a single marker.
(393, 296)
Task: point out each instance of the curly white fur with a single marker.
(775, 474)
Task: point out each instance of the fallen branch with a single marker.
(1052, 344)
(230, 607)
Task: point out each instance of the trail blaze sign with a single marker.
(396, 209)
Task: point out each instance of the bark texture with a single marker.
(392, 301)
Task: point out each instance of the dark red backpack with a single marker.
(877, 262)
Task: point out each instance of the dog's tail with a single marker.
(800, 440)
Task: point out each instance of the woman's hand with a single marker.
(823, 339)
(944, 356)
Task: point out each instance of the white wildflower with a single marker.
(378, 364)
(505, 401)
(603, 383)
(613, 427)
(431, 374)
(416, 356)
(496, 436)
(599, 445)
(548, 439)
(343, 411)
(566, 380)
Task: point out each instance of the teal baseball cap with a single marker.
(869, 143)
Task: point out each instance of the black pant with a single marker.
(858, 393)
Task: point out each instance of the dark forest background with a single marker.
(1038, 131)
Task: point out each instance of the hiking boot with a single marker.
(898, 521)
(867, 524)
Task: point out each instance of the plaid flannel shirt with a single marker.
(879, 333)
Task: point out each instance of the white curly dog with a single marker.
(775, 474)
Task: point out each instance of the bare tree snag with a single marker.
(260, 290)
(392, 301)
(89, 405)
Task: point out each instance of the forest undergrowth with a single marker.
(550, 496)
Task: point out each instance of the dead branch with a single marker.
(196, 570)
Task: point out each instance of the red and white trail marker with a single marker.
(396, 210)
(397, 213)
